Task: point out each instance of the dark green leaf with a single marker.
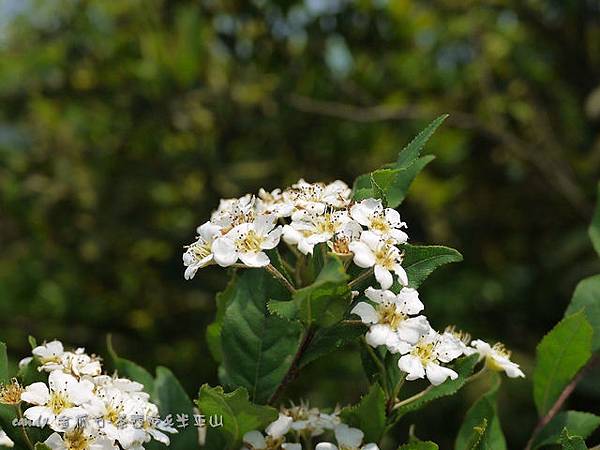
(483, 410)
(561, 353)
(330, 339)
(171, 398)
(463, 366)
(325, 301)
(368, 415)
(420, 261)
(258, 349)
(577, 423)
(586, 298)
(41, 446)
(239, 416)
(213, 331)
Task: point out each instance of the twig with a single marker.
(363, 276)
(562, 398)
(273, 271)
(293, 371)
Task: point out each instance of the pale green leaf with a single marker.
(368, 415)
(586, 298)
(570, 442)
(420, 445)
(484, 409)
(412, 151)
(577, 423)
(239, 416)
(4, 377)
(420, 261)
(561, 353)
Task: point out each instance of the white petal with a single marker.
(363, 256)
(383, 277)
(413, 329)
(39, 415)
(264, 223)
(360, 213)
(378, 335)
(399, 236)
(288, 446)
(372, 240)
(408, 298)
(393, 217)
(370, 446)
(255, 259)
(225, 252)
(366, 312)
(348, 437)
(208, 231)
(36, 394)
(438, 374)
(412, 366)
(326, 446)
(273, 238)
(280, 427)
(402, 276)
(379, 295)
(55, 442)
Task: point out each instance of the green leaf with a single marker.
(129, 369)
(420, 445)
(257, 349)
(586, 298)
(3, 363)
(239, 416)
(577, 423)
(213, 331)
(368, 415)
(561, 353)
(594, 229)
(463, 366)
(483, 409)
(412, 151)
(325, 301)
(570, 442)
(420, 261)
(41, 446)
(171, 398)
(330, 339)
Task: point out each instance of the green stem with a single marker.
(363, 276)
(23, 430)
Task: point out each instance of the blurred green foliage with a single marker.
(123, 122)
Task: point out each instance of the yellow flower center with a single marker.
(389, 316)
(59, 402)
(502, 351)
(424, 351)
(200, 251)
(326, 224)
(10, 394)
(250, 242)
(384, 257)
(76, 441)
(379, 223)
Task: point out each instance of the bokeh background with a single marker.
(123, 122)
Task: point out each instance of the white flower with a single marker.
(49, 355)
(347, 439)
(384, 222)
(425, 357)
(199, 253)
(274, 202)
(247, 241)
(311, 421)
(460, 339)
(60, 404)
(233, 212)
(315, 197)
(372, 251)
(307, 230)
(275, 436)
(389, 320)
(497, 358)
(5, 441)
(79, 440)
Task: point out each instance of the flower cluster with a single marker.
(303, 215)
(85, 408)
(301, 424)
(393, 322)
